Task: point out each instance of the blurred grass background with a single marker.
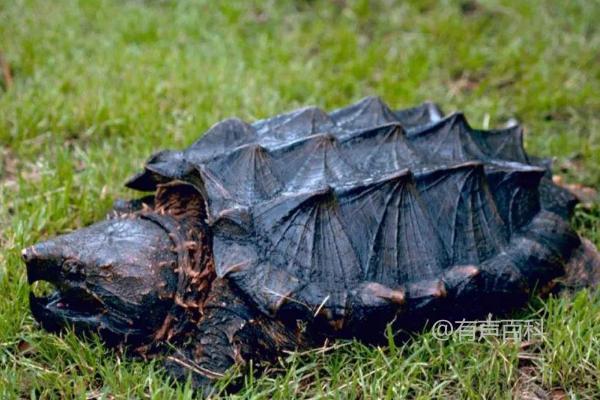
(99, 85)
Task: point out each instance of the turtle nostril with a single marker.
(41, 263)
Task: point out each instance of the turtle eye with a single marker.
(73, 268)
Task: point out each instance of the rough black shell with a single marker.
(348, 214)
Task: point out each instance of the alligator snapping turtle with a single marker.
(305, 226)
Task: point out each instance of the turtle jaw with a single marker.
(56, 311)
(70, 304)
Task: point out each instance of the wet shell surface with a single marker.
(366, 212)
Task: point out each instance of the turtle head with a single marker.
(115, 277)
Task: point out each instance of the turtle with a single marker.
(310, 226)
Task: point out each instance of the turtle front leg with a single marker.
(231, 332)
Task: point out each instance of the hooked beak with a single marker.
(71, 303)
(41, 264)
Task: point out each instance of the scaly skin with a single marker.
(230, 332)
(273, 236)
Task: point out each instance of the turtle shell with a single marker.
(349, 213)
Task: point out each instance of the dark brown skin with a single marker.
(275, 236)
(231, 332)
(119, 278)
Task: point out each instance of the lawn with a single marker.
(99, 85)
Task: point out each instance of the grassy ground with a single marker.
(98, 85)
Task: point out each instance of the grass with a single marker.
(98, 85)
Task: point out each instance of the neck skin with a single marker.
(180, 210)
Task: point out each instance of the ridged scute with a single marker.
(366, 206)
